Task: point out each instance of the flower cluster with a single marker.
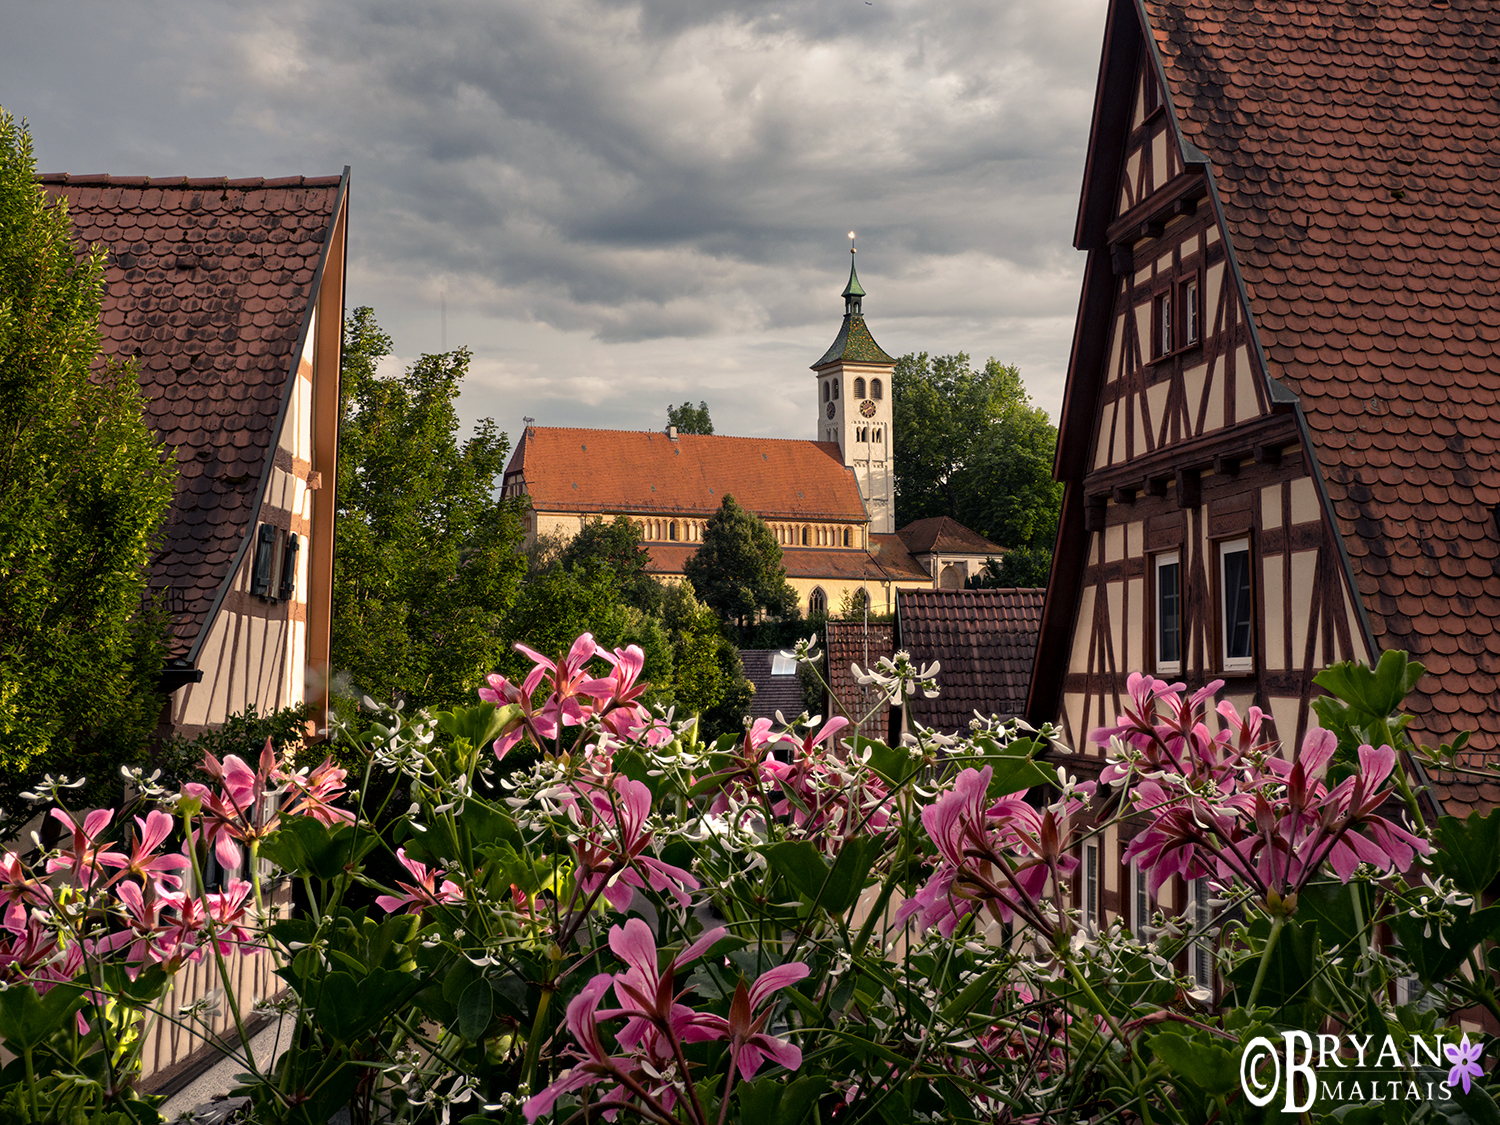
(651, 1073)
(1227, 806)
(999, 855)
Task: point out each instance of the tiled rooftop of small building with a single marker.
(985, 641)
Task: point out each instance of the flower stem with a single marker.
(1277, 922)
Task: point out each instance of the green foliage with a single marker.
(971, 446)
(710, 678)
(737, 571)
(690, 419)
(619, 547)
(1022, 568)
(427, 564)
(84, 487)
(243, 734)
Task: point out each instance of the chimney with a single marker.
(671, 433)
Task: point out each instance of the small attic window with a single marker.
(783, 664)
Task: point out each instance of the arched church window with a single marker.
(805, 537)
(876, 391)
(859, 388)
(817, 603)
(672, 530)
(827, 389)
(879, 433)
(847, 537)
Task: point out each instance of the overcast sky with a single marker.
(623, 204)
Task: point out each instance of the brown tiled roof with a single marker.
(208, 286)
(1355, 154)
(573, 470)
(942, 533)
(985, 641)
(852, 642)
(772, 693)
(806, 562)
(895, 559)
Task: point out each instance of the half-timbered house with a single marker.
(228, 297)
(1279, 433)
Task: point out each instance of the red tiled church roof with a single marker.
(1354, 153)
(985, 641)
(576, 470)
(207, 288)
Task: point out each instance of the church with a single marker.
(830, 502)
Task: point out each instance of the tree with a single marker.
(84, 488)
(428, 562)
(972, 446)
(690, 419)
(737, 571)
(619, 546)
(1021, 568)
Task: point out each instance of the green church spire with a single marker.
(854, 343)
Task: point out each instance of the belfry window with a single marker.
(876, 391)
(859, 388)
(835, 388)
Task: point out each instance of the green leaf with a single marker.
(835, 887)
(306, 846)
(1199, 1060)
(27, 1020)
(798, 1099)
(480, 724)
(1374, 694)
(1468, 851)
(1438, 954)
(348, 1006)
(475, 1008)
(759, 1101)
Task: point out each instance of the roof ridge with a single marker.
(103, 179)
(680, 435)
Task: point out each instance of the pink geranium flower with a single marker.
(612, 850)
(425, 892)
(143, 861)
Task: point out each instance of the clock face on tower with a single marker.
(867, 409)
(830, 410)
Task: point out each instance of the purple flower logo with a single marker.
(1465, 1060)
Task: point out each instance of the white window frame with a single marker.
(1190, 328)
(1091, 883)
(1140, 901)
(1166, 558)
(1202, 915)
(1226, 662)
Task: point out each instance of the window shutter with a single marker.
(289, 567)
(265, 556)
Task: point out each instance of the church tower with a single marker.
(854, 408)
